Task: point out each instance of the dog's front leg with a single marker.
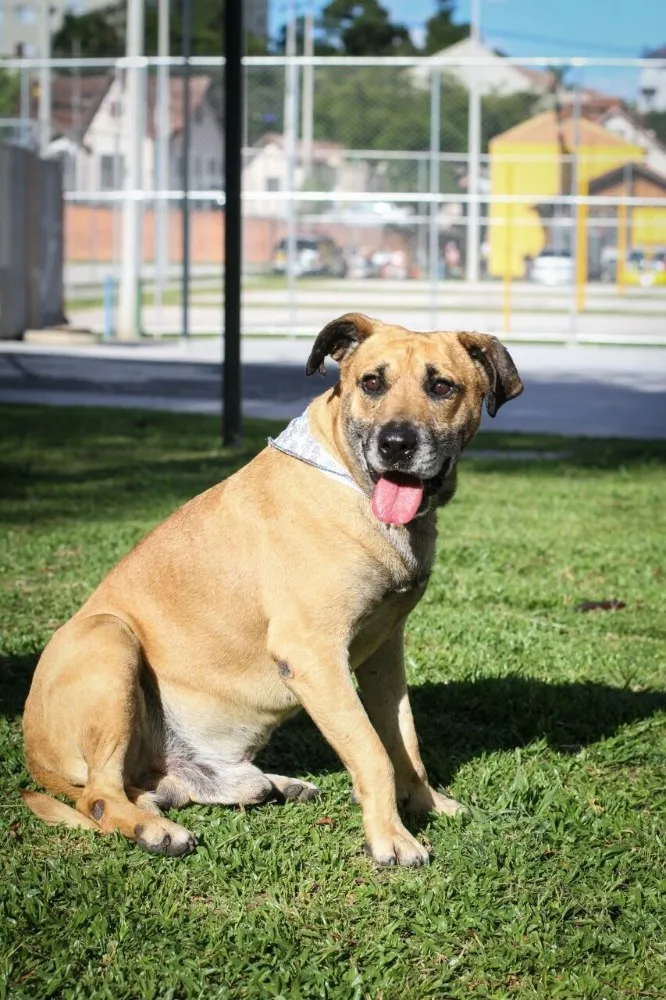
(384, 689)
(319, 676)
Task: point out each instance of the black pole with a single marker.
(233, 122)
(187, 35)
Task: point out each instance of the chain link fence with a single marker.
(513, 196)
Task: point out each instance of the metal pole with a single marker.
(290, 140)
(45, 77)
(233, 137)
(25, 107)
(132, 253)
(433, 248)
(574, 240)
(161, 206)
(187, 31)
(308, 93)
(474, 156)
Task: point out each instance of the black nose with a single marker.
(397, 441)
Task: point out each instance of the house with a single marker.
(652, 83)
(90, 130)
(628, 125)
(535, 160)
(495, 76)
(266, 172)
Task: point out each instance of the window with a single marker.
(110, 172)
(272, 183)
(25, 14)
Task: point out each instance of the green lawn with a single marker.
(550, 723)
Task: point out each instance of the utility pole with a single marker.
(187, 31)
(232, 154)
(162, 181)
(129, 320)
(290, 139)
(44, 76)
(308, 92)
(474, 157)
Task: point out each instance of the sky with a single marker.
(546, 28)
(541, 27)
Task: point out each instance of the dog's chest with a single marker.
(394, 588)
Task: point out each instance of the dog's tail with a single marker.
(54, 812)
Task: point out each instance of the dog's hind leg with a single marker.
(82, 723)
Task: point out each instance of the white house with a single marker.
(652, 83)
(266, 171)
(92, 138)
(623, 123)
(496, 75)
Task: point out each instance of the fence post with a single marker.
(433, 243)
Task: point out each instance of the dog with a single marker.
(265, 595)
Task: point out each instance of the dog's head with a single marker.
(410, 402)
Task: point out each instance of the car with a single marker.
(315, 255)
(552, 267)
(646, 269)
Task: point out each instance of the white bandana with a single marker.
(297, 441)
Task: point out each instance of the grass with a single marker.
(550, 723)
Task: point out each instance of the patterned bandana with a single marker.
(297, 441)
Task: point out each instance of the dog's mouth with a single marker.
(397, 498)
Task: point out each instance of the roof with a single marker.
(76, 99)
(544, 129)
(648, 135)
(617, 174)
(539, 79)
(199, 86)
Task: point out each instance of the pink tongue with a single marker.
(396, 502)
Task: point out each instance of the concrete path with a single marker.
(591, 391)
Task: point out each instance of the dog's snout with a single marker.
(397, 441)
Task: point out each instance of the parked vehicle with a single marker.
(315, 255)
(552, 267)
(646, 269)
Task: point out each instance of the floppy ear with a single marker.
(503, 378)
(338, 339)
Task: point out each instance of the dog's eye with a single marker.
(372, 384)
(441, 388)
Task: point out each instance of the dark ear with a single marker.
(503, 378)
(338, 339)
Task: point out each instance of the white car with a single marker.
(552, 268)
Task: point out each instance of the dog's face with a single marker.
(410, 402)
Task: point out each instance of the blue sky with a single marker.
(548, 28)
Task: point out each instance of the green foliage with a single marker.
(440, 29)
(549, 723)
(363, 29)
(656, 120)
(10, 88)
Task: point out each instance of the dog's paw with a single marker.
(425, 799)
(398, 847)
(161, 836)
(292, 789)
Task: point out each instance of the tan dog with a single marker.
(263, 595)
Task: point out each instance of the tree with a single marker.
(10, 86)
(656, 120)
(97, 34)
(440, 29)
(363, 29)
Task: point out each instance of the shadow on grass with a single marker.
(462, 720)
(71, 464)
(455, 721)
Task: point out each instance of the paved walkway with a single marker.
(591, 391)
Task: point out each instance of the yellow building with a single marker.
(527, 160)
